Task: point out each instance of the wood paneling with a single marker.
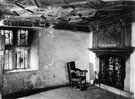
(112, 35)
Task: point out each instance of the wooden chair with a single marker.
(77, 77)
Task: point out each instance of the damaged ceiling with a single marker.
(63, 13)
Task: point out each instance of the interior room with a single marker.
(41, 40)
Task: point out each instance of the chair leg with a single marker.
(85, 81)
(80, 84)
(72, 84)
(99, 84)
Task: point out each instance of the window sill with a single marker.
(22, 70)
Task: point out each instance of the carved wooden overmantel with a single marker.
(112, 37)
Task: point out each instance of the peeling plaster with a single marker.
(51, 32)
(34, 79)
(46, 67)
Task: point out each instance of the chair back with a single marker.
(76, 76)
(70, 66)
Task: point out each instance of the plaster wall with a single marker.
(132, 62)
(127, 76)
(55, 49)
(92, 59)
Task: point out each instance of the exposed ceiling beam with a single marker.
(42, 16)
(36, 3)
(29, 10)
(78, 3)
(19, 5)
(16, 13)
(115, 6)
(69, 4)
(105, 9)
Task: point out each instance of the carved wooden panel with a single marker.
(110, 35)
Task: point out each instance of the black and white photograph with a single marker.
(67, 49)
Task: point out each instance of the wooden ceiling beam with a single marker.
(24, 8)
(17, 4)
(42, 16)
(78, 3)
(29, 10)
(69, 4)
(16, 13)
(36, 3)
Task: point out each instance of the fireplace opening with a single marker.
(112, 70)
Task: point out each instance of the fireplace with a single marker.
(112, 65)
(112, 70)
(112, 46)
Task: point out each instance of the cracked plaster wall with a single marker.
(55, 49)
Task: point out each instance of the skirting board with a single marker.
(116, 91)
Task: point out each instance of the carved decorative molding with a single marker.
(112, 38)
(124, 52)
(110, 35)
(25, 22)
(126, 18)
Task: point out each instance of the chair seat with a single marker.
(77, 77)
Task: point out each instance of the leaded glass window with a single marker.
(22, 58)
(8, 60)
(22, 37)
(17, 54)
(8, 36)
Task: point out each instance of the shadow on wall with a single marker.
(66, 73)
(92, 73)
